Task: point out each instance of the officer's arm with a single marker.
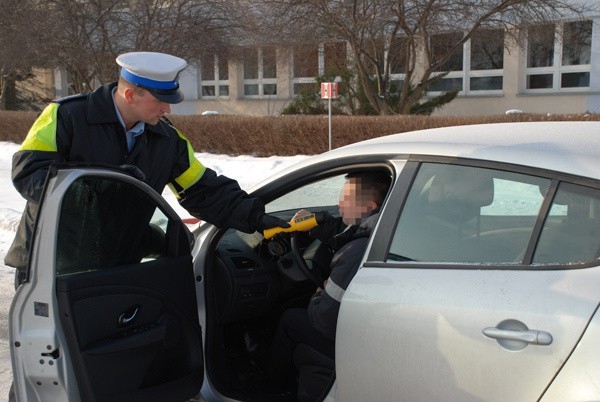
(37, 152)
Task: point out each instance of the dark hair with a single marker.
(378, 182)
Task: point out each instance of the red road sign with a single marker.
(329, 90)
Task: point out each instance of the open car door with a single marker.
(108, 311)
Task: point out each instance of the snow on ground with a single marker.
(247, 170)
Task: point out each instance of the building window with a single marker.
(558, 57)
(478, 69)
(397, 56)
(260, 72)
(310, 61)
(214, 77)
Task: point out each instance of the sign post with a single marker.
(329, 90)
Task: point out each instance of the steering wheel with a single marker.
(313, 276)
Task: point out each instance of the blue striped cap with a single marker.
(156, 72)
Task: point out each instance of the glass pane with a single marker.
(269, 89)
(575, 80)
(223, 90)
(107, 223)
(440, 45)
(540, 46)
(208, 90)
(335, 58)
(372, 59)
(398, 55)
(571, 233)
(310, 88)
(207, 69)
(447, 84)
(306, 61)
(486, 83)
(269, 63)
(223, 69)
(318, 194)
(487, 50)
(251, 89)
(250, 64)
(467, 214)
(577, 43)
(539, 81)
(396, 86)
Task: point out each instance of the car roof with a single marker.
(569, 147)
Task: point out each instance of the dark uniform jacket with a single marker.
(350, 246)
(85, 128)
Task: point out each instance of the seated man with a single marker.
(315, 326)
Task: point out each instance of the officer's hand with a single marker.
(269, 221)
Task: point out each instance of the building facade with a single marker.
(555, 69)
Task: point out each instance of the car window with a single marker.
(466, 214)
(321, 193)
(571, 233)
(105, 223)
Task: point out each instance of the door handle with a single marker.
(529, 336)
(128, 316)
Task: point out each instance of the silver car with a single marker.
(480, 280)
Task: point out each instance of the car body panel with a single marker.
(579, 379)
(560, 146)
(422, 332)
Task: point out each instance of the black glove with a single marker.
(270, 221)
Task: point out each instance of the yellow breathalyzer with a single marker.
(298, 224)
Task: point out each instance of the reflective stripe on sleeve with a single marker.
(334, 290)
(192, 173)
(42, 134)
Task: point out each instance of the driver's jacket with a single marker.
(85, 128)
(350, 246)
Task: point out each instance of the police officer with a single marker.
(124, 123)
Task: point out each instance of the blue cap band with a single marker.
(147, 82)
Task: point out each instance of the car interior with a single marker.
(251, 281)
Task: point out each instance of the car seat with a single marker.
(316, 373)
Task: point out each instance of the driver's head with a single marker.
(362, 193)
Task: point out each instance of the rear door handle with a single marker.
(529, 336)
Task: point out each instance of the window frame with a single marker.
(467, 73)
(320, 68)
(163, 216)
(260, 81)
(557, 69)
(378, 252)
(216, 82)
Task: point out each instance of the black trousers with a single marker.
(294, 328)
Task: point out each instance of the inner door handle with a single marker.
(529, 336)
(128, 316)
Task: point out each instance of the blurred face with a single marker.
(355, 202)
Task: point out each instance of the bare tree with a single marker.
(420, 38)
(90, 34)
(85, 36)
(21, 31)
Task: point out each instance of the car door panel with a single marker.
(110, 306)
(431, 304)
(422, 335)
(579, 379)
(157, 336)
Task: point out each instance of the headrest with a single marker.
(461, 192)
